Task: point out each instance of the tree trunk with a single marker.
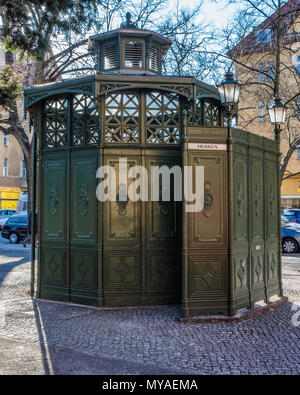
(28, 180)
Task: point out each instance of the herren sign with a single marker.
(207, 147)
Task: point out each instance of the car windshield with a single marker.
(288, 213)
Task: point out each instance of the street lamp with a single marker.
(229, 90)
(277, 113)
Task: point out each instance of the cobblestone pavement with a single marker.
(39, 337)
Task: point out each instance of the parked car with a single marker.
(16, 228)
(22, 203)
(292, 215)
(290, 235)
(5, 214)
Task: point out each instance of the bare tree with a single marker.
(190, 39)
(262, 40)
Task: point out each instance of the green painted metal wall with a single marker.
(234, 246)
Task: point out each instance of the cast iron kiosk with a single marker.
(226, 257)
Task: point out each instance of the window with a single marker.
(17, 220)
(211, 113)
(261, 112)
(23, 169)
(261, 74)
(5, 141)
(56, 122)
(70, 121)
(110, 57)
(271, 72)
(162, 116)
(263, 36)
(122, 118)
(85, 123)
(5, 168)
(153, 59)
(134, 54)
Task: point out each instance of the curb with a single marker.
(243, 315)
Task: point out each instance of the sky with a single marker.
(217, 11)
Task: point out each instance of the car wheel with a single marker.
(289, 245)
(13, 238)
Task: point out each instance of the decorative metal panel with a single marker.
(256, 191)
(207, 276)
(54, 266)
(240, 272)
(163, 270)
(240, 200)
(83, 270)
(204, 111)
(83, 198)
(122, 272)
(85, 120)
(209, 225)
(56, 123)
(162, 216)
(273, 265)
(122, 118)
(212, 113)
(162, 114)
(121, 216)
(257, 265)
(77, 115)
(54, 200)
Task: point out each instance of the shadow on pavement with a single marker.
(60, 359)
(5, 268)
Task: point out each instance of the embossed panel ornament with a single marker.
(208, 199)
(53, 200)
(83, 199)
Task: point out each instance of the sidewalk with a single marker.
(42, 337)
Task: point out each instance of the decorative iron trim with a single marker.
(87, 88)
(240, 200)
(83, 199)
(208, 199)
(53, 200)
(107, 87)
(257, 201)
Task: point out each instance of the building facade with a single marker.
(12, 164)
(255, 69)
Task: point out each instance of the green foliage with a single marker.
(10, 87)
(30, 25)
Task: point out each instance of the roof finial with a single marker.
(128, 23)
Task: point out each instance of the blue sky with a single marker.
(216, 11)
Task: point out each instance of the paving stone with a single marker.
(139, 340)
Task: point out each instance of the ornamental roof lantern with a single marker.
(129, 50)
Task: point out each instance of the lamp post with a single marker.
(229, 90)
(277, 113)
